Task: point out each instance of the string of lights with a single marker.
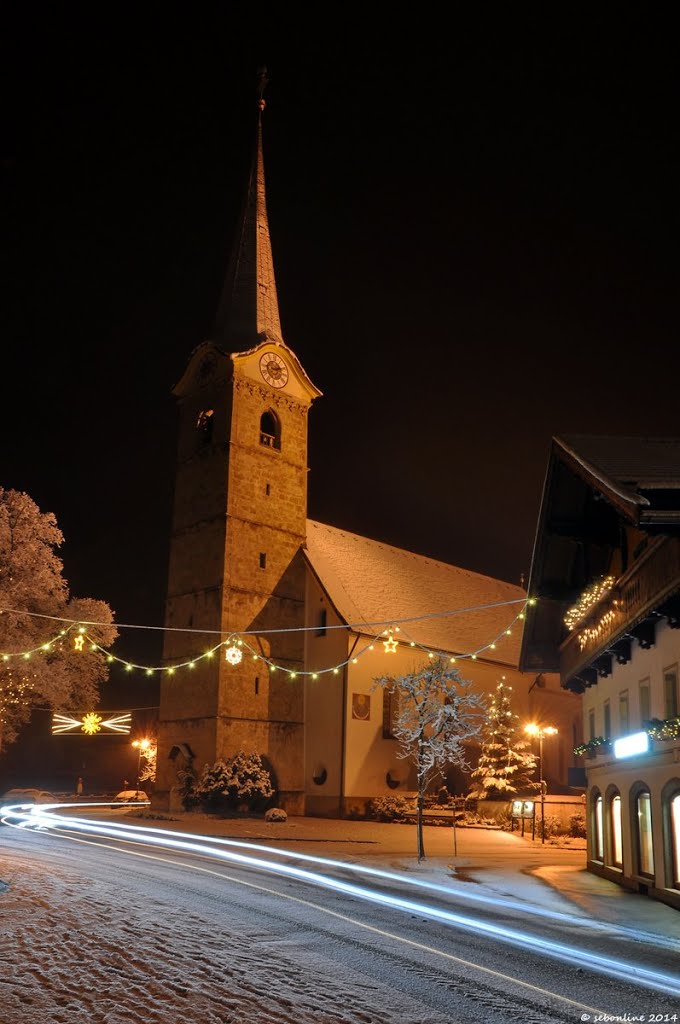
(237, 646)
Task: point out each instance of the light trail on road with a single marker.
(41, 817)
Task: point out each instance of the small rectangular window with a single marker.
(670, 692)
(591, 724)
(321, 625)
(263, 560)
(645, 702)
(257, 684)
(607, 720)
(268, 490)
(390, 712)
(624, 719)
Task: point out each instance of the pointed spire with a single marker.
(248, 312)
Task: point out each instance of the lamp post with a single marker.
(141, 746)
(541, 731)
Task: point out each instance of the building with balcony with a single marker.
(606, 578)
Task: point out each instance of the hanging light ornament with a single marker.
(390, 644)
(233, 655)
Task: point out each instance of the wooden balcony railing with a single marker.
(646, 585)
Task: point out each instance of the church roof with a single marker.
(248, 311)
(375, 584)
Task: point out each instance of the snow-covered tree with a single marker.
(149, 761)
(437, 712)
(40, 661)
(506, 766)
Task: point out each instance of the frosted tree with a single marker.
(437, 712)
(149, 761)
(506, 766)
(44, 659)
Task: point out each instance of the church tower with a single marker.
(239, 523)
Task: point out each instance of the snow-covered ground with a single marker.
(128, 948)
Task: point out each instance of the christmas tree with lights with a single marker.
(505, 765)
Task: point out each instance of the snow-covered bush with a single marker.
(577, 826)
(240, 782)
(389, 808)
(552, 826)
(276, 814)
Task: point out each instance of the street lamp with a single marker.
(141, 745)
(541, 731)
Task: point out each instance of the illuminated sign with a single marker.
(638, 743)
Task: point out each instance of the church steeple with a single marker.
(248, 312)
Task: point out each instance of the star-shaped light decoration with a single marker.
(91, 723)
(233, 655)
(390, 644)
(78, 642)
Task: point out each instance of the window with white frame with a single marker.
(670, 692)
(645, 701)
(598, 838)
(624, 716)
(616, 835)
(644, 833)
(674, 813)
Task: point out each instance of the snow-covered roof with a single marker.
(369, 582)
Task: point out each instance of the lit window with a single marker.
(675, 838)
(599, 834)
(617, 847)
(644, 834)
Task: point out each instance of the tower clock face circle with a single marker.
(273, 369)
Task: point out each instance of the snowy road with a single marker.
(125, 928)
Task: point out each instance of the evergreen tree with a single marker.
(505, 765)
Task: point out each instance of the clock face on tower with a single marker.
(273, 369)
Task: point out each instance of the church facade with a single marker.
(301, 618)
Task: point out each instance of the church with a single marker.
(300, 618)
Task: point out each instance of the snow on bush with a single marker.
(577, 826)
(276, 814)
(240, 782)
(389, 808)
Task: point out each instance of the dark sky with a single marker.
(475, 234)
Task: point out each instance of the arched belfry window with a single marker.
(205, 422)
(270, 430)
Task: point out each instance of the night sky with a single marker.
(475, 236)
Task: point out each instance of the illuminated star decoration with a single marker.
(91, 723)
(78, 642)
(390, 645)
(115, 723)
(233, 655)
